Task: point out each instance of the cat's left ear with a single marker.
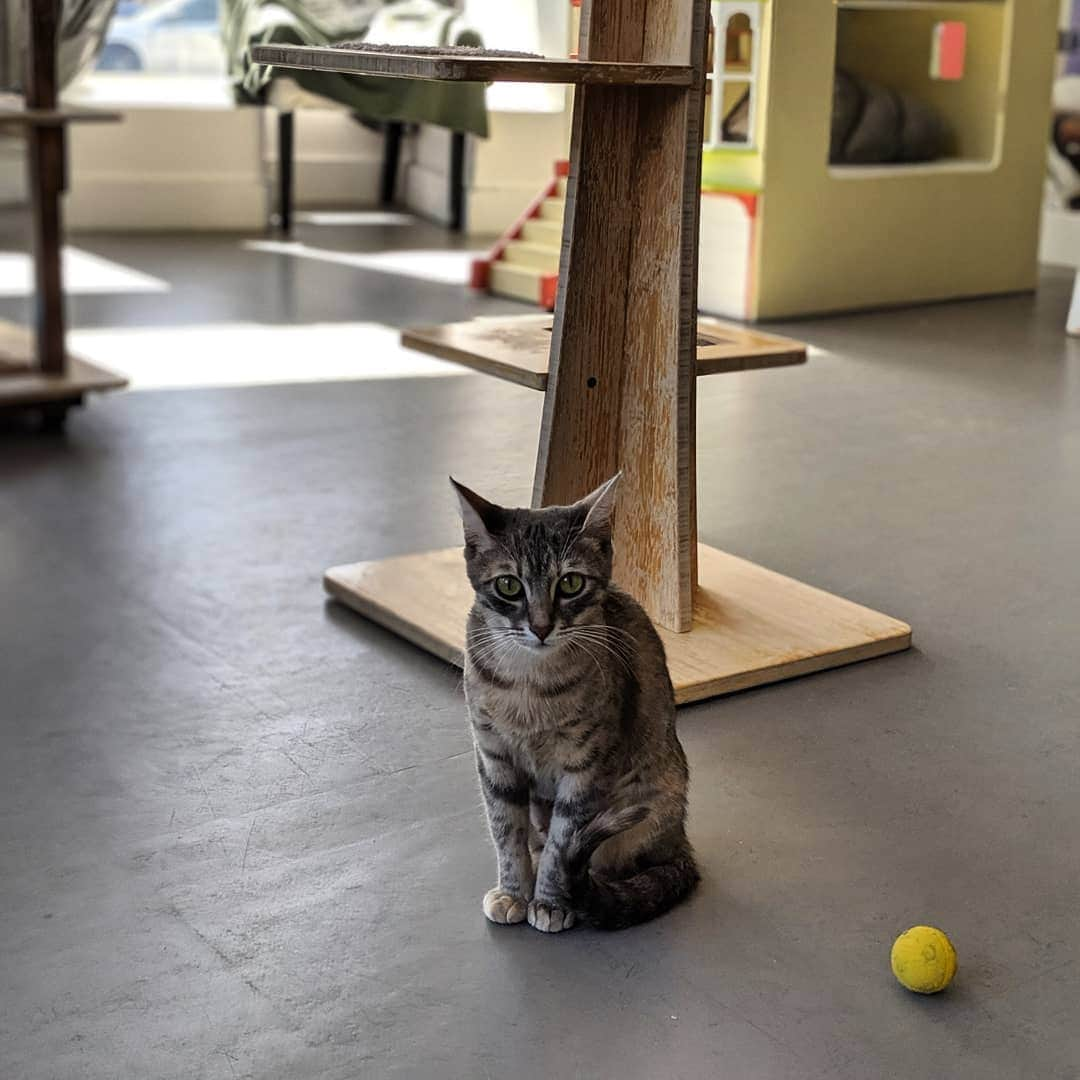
(599, 506)
(479, 516)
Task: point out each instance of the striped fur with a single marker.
(573, 718)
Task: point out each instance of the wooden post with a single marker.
(621, 378)
(46, 171)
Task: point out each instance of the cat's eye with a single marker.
(571, 584)
(509, 588)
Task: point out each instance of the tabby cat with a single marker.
(573, 719)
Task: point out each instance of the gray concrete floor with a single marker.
(240, 832)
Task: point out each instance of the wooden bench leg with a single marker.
(285, 172)
(391, 158)
(457, 181)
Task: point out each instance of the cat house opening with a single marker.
(896, 106)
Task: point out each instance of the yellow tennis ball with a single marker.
(923, 959)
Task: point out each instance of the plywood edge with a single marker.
(33, 388)
(341, 583)
(691, 691)
(429, 340)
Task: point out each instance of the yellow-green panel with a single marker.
(722, 170)
(843, 238)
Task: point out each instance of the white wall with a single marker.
(12, 171)
(337, 162)
(163, 168)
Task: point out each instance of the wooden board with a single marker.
(451, 68)
(724, 346)
(22, 384)
(33, 388)
(15, 113)
(16, 350)
(751, 626)
(516, 348)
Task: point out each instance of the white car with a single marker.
(168, 37)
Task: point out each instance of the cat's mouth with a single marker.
(540, 645)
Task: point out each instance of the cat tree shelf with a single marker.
(14, 112)
(517, 348)
(22, 383)
(451, 66)
(618, 365)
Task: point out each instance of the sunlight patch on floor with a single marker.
(444, 267)
(83, 273)
(362, 218)
(253, 354)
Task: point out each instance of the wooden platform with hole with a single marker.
(618, 365)
(517, 347)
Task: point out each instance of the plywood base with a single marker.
(751, 626)
(22, 385)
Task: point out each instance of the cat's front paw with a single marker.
(503, 907)
(549, 916)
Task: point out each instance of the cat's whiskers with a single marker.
(513, 650)
(594, 635)
(577, 646)
(624, 658)
(625, 642)
(493, 643)
(493, 655)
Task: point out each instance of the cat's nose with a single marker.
(540, 629)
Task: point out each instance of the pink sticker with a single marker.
(949, 51)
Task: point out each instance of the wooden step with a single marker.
(552, 209)
(539, 231)
(517, 282)
(539, 256)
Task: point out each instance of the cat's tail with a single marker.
(615, 904)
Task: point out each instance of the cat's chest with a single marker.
(541, 732)
(518, 709)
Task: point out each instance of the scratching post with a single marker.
(618, 365)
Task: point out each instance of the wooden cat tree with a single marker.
(36, 370)
(624, 352)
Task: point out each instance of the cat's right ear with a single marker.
(479, 516)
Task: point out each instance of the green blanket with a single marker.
(457, 106)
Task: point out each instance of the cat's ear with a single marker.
(599, 506)
(479, 516)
